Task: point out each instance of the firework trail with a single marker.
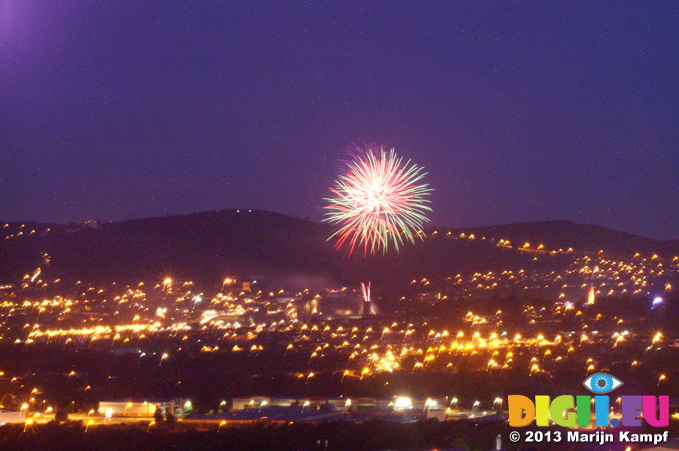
(377, 201)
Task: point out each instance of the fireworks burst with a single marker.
(377, 201)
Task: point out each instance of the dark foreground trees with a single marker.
(329, 436)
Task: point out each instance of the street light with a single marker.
(453, 402)
(196, 299)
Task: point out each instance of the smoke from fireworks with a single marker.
(377, 201)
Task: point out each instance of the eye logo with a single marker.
(576, 411)
(601, 383)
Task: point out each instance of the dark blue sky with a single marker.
(518, 111)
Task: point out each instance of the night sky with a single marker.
(518, 111)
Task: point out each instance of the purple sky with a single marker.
(518, 111)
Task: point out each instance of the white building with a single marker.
(12, 416)
(144, 407)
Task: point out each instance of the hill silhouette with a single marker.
(568, 234)
(207, 247)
